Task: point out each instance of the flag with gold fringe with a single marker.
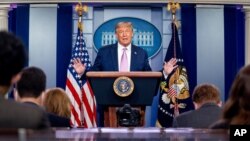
(174, 95)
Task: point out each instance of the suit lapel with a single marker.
(133, 57)
(114, 55)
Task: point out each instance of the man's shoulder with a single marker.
(138, 49)
(11, 109)
(107, 48)
(185, 114)
(210, 107)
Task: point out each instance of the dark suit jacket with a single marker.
(19, 115)
(52, 119)
(200, 118)
(220, 124)
(58, 121)
(107, 59)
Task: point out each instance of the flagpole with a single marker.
(83, 110)
(173, 7)
(80, 9)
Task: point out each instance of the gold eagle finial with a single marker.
(172, 7)
(80, 9)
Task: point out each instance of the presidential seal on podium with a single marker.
(123, 86)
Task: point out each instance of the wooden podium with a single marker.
(146, 85)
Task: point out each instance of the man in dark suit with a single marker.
(111, 57)
(206, 99)
(12, 60)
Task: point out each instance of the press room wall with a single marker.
(42, 40)
(210, 45)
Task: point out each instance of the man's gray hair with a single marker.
(126, 24)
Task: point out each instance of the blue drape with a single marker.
(19, 25)
(64, 42)
(188, 42)
(12, 20)
(234, 38)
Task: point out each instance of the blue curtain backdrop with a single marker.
(234, 26)
(12, 20)
(19, 25)
(188, 42)
(64, 42)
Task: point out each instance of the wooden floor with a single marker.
(115, 134)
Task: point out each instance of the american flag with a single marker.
(83, 111)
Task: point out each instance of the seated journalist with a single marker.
(207, 103)
(30, 90)
(12, 59)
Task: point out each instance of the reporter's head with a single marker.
(12, 58)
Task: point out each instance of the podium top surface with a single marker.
(128, 74)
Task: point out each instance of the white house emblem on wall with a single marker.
(140, 38)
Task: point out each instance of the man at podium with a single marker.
(122, 56)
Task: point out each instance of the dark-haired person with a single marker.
(30, 88)
(12, 60)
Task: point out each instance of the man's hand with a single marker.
(170, 66)
(79, 66)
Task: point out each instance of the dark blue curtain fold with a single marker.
(188, 42)
(64, 42)
(19, 25)
(234, 39)
(12, 20)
